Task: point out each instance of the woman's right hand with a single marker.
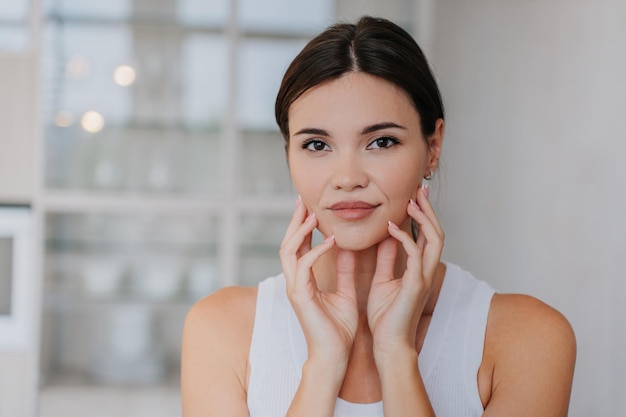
(328, 319)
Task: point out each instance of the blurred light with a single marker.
(124, 75)
(64, 118)
(78, 67)
(92, 122)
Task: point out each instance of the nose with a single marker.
(349, 174)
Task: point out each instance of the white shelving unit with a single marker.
(184, 190)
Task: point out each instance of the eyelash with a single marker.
(391, 141)
(306, 145)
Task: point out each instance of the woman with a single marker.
(370, 322)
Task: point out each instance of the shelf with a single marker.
(82, 381)
(64, 201)
(55, 300)
(171, 24)
(127, 248)
(78, 400)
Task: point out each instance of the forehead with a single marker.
(355, 98)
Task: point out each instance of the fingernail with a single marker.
(298, 200)
(330, 238)
(411, 202)
(310, 216)
(392, 224)
(426, 190)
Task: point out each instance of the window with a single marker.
(14, 30)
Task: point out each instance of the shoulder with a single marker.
(524, 320)
(530, 350)
(216, 344)
(222, 319)
(229, 303)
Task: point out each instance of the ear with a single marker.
(435, 141)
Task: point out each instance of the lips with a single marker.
(352, 210)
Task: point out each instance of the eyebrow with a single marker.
(365, 131)
(312, 131)
(381, 126)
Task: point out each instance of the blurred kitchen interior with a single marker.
(141, 169)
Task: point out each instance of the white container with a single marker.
(157, 278)
(102, 275)
(126, 351)
(129, 330)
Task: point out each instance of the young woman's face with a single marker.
(356, 155)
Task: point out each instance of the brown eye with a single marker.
(315, 145)
(383, 143)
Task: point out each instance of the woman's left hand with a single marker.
(395, 305)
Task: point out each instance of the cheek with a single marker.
(401, 185)
(398, 190)
(306, 185)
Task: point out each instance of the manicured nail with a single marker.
(411, 202)
(426, 190)
(298, 200)
(392, 224)
(310, 217)
(329, 238)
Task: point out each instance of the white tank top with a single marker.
(448, 362)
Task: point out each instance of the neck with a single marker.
(365, 267)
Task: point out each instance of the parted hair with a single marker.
(374, 46)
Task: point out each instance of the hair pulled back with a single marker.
(374, 46)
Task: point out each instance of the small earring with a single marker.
(429, 176)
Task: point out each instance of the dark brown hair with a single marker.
(374, 46)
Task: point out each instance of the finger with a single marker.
(423, 219)
(421, 242)
(306, 244)
(429, 239)
(345, 267)
(414, 261)
(432, 254)
(301, 236)
(290, 249)
(424, 204)
(299, 215)
(385, 260)
(305, 263)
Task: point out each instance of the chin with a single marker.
(358, 241)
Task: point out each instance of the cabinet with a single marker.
(164, 177)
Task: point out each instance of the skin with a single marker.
(365, 295)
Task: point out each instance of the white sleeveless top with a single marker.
(448, 362)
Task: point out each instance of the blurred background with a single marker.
(141, 169)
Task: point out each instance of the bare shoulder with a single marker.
(221, 323)
(521, 316)
(224, 308)
(530, 349)
(216, 344)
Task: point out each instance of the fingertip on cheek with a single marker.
(413, 206)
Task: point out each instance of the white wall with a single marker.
(533, 188)
(17, 130)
